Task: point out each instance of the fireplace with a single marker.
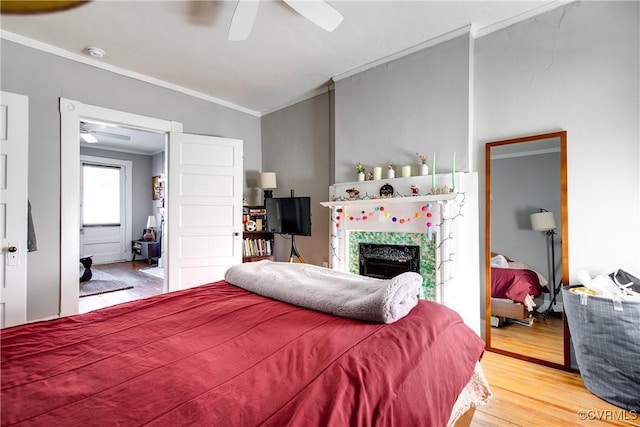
(387, 261)
(424, 262)
(443, 226)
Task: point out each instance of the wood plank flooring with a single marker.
(144, 285)
(543, 340)
(524, 394)
(527, 394)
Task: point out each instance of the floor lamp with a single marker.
(543, 221)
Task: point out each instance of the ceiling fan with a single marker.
(90, 134)
(317, 11)
(27, 7)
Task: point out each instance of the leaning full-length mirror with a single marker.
(527, 247)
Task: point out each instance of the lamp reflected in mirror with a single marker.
(545, 222)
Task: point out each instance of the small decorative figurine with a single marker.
(352, 192)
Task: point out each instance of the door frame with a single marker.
(126, 166)
(71, 113)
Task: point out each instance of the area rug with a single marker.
(101, 283)
(154, 271)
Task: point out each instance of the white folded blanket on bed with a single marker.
(330, 291)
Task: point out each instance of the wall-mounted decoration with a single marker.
(157, 187)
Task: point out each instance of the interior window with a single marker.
(100, 195)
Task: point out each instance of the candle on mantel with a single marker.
(433, 172)
(406, 171)
(453, 171)
(377, 173)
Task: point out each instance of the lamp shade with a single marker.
(268, 180)
(151, 222)
(543, 221)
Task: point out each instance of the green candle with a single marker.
(453, 171)
(433, 172)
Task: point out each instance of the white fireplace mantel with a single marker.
(392, 200)
(454, 227)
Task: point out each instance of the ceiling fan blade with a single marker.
(317, 11)
(111, 135)
(242, 21)
(25, 7)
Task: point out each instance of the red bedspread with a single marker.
(514, 284)
(218, 355)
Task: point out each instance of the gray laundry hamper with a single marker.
(607, 346)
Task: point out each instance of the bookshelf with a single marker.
(257, 245)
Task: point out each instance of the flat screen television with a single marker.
(289, 215)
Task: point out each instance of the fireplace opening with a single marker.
(387, 261)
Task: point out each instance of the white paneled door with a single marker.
(204, 217)
(105, 209)
(14, 149)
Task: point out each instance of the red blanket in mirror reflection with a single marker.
(514, 284)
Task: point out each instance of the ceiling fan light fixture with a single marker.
(88, 138)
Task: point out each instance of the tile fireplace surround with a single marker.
(449, 247)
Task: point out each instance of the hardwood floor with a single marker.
(144, 285)
(543, 340)
(527, 394)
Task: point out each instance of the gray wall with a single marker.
(415, 104)
(297, 146)
(44, 78)
(157, 168)
(574, 68)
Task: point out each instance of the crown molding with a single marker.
(405, 52)
(35, 44)
(304, 97)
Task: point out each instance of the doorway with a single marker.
(105, 208)
(73, 113)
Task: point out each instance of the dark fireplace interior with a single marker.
(387, 261)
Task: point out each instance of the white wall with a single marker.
(574, 68)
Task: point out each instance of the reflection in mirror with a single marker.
(526, 247)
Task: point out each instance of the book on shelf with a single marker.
(256, 247)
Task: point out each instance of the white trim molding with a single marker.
(35, 44)
(71, 113)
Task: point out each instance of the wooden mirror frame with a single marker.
(562, 135)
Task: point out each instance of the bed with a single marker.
(218, 354)
(514, 285)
